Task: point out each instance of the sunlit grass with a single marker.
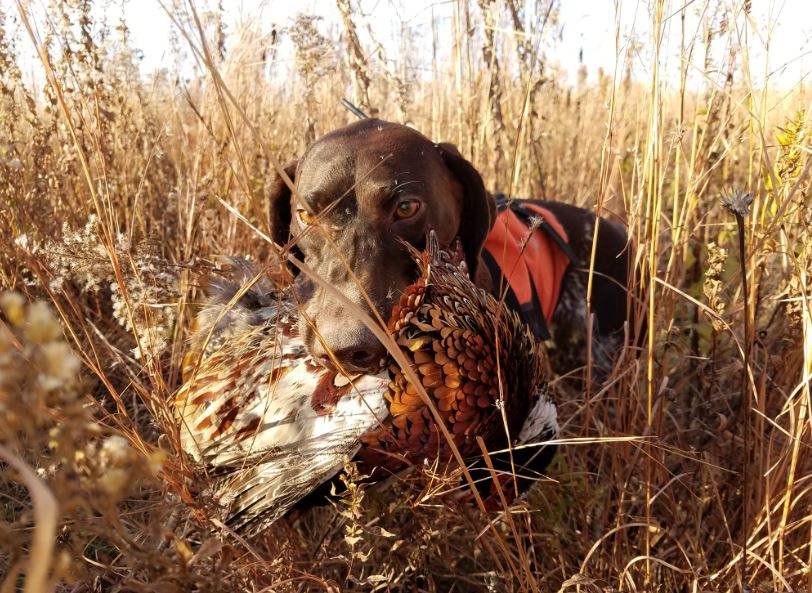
(111, 193)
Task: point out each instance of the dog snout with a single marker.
(348, 344)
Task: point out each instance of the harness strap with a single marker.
(529, 312)
(521, 210)
(542, 224)
(529, 268)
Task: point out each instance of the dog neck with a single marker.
(482, 277)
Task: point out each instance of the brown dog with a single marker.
(373, 185)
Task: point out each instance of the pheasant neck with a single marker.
(483, 278)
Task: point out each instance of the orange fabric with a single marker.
(542, 261)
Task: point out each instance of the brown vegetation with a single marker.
(110, 197)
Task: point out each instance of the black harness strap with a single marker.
(531, 313)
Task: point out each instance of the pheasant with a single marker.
(271, 426)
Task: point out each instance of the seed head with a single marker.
(738, 202)
(41, 326)
(60, 365)
(12, 304)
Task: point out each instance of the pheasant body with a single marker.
(268, 423)
(479, 364)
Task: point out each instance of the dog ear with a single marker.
(279, 199)
(478, 207)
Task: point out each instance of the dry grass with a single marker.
(109, 188)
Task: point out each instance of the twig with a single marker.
(739, 204)
(45, 519)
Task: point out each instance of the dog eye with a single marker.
(407, 208)
(305, 217)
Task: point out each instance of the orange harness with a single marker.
(532, 262)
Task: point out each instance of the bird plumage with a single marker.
(271, 425)
(480, 365)
(268, 423)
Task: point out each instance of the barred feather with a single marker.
(474, 356)
(264, 419)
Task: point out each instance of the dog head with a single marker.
(362, 193)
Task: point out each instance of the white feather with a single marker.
(542, 421)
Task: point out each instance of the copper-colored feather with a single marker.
(474, 358)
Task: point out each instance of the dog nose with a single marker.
(351, 360)
(355, 351)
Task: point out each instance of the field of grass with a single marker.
(689, 469)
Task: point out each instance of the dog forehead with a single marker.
(322, 170)
(333, 166)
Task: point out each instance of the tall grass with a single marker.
(687, 470)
